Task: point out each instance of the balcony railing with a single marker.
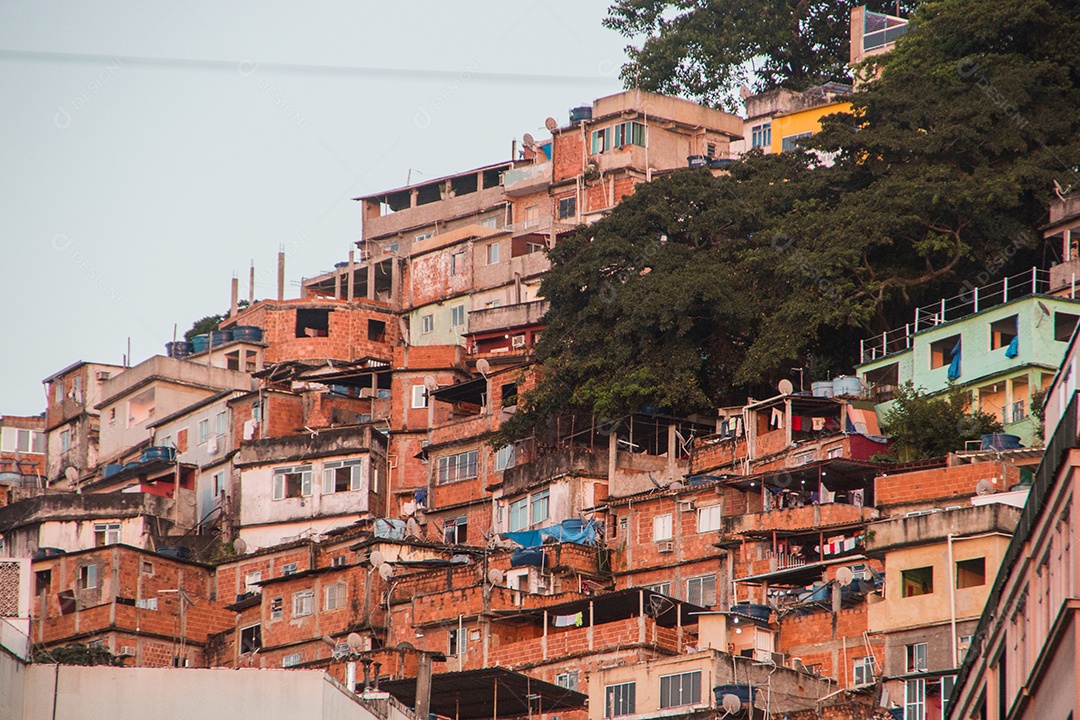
(946, 310)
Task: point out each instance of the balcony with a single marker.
(507, 317)
(527, 180)
(799, 518)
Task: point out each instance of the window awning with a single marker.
(471, 391)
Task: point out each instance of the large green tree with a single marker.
(707, 49)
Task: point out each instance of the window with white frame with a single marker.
(601, 140)
(539, 506)
(948, 682)
(862, 671)
(88, 575)
(204, 430)
(619, 700)
(662, 588)
(419, 397)
(505, 457)
(219, 484)
(490, 222)
(568, 680)
(65, 440)
(761, 135)
(343, 476)
(289, 568)
(701, 591)
(146, 603)
(335, 596)
(292, 660)
(250, 638)
(252, 580)
(708, 518)
(457, 316)
(493, 253)
(460, 466)
(519, 515)
(427, 324)
(457, 263)
(221, 423)
(277, 608)
(456, 531)
(420, 237)
(661, 527)
(457, 641)
(915, 657)
(629, 133)
(915, 699)
(106, 534)
(680, 689)
(302, 602)
(292, 482)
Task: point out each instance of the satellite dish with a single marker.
(844, 576)
(483, 367)
(984, 487)
(405, 645)
(71, 474)
(551, 124)
(377, 558)
(785, 387)
(355, 641)
(731, 703)
(386, 571)
(412, 528)
(240, 546)
(495, 576)
(430, 382)
(528, 140)
(361, 556)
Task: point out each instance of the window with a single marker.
(1002, 332)
(292, 482)
(457, 641)
(917, 581)
(490, 222)
(461, 466)
(424, 236)
(947, 684)
(835, 452)
(146, 603)
(568, 680)
(427, 324)
(204, 431)
(519, 517)
(761, 135)
(915, 699)
(88, 577)
(708, 518)
(419, 397)
(701, 591)
(941, 352)
(335, 596)
(915, 658)
(619, 700)
(567, 207)
(532, 216)
(540, 506)
(146, 568)
(106, 534)
(457, 263)
(250, 638)
(971, 573)
(343, 476)
(219, 484)
(457, 316)
(252, 580)
(661, 527)
(862, 672)
(276, 608)
(302, 602)
(493, 304)
(256, 411)
(601, 140)
(1064, 324)
(221, 424)
(504, 457)
(630, 133)
(681, 689)
(493, 254)
(312, 322)
(790, 142)
(292, 660)
(288, 568)
(65, 440)
(456, 531)
(58, 392)
(662, 588)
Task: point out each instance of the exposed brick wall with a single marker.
(950, 483)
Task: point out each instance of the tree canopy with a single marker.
(925, 427)
(707, 49)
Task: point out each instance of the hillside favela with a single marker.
(711, 400)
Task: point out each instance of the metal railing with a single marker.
(957, 307)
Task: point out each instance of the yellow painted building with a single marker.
(788, 127)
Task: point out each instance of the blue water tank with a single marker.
(758, 612)
(112, 468)
(178, 349)
(249, 333)
(220, 337)
(176, 551)
(523, 557)
(1001, 441)
(848, 385)
(159, 452)
(199, 342)
(745, 693)
(583, 112)
(822, 389)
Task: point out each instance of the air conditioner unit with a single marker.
(797, 664)
(666, 546)
(103, 375)
(127, 650)
(425, 443)
(517, 342)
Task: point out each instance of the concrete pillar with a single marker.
(672, 451)
(423, 686)
(234, 303)
(251, 285)
(352, 275)
(371, 281)
(281, 275)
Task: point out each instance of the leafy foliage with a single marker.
(78, 654)
(923, 427)
(210, 322)
(707, 49)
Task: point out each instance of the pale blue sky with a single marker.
(152, 150)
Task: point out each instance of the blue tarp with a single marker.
(390, 528)
(572, 531)
(1014, 348)
(954, 366)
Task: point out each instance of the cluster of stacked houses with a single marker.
(312, 484)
